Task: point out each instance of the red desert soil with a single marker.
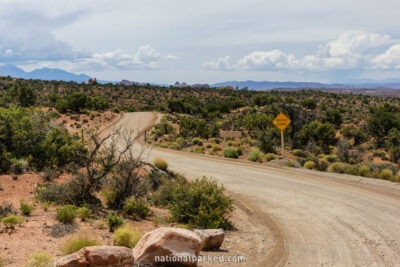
(40, 232)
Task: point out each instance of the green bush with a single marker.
(66, 214)
(352, 170)
(323, 165)
(11, 221)
(197, 141)
(290, 164)
(269, 156)
(255, 155)
(5, 209)
(337, 167)
(364, 171)
(84, 213)
(300, 153)
(74, 244)
(136, 208)
(202, 203)
(386, 174)
(18, 166)
(114, 222)
(309, 165)
(216, 147)
(230, 152)
(39, 260)
(25, 208)
(396, 178)
(164, 195)
(332, 158)
(161, 164)
(125, 237)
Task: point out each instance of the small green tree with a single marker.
(393, 143)
(23, 93)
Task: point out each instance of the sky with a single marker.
(163, 41)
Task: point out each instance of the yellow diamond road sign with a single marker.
(281, 121)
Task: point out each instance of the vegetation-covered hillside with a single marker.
(327, 129)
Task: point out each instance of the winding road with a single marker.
(317, 219)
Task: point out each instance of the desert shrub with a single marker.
(337, 167)
(255, 155)
(66, 214)
(2, 264)
(364, 171)
(109, 195)
(5, 209)
(161, 164)
(197, 141)
(290, 164)
(164, 196)
(386, 174)
(230, 143)
(352, 170)
(309, 165)
(269, 156)
(331, 158)
(76, 243)
(114, 222)
(377, 167)
(396, 178)
(40, 260)
(216, 148)
(84, 213)
(62, 194)
(18, 166)
(198, 149)
(45, 205)
(50, 174)
(323, 165)
(230, 152)
(11, 221)
(25, 208)
(202, 203)
(216, 140)
(156, 178)
(136, 208)
(126, 237)
(300, 153)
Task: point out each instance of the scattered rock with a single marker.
(60, 230)
(168, 243)
(76, 259)
(109, 256)
(212, 238)
(104, 256)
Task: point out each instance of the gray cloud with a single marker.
(262, 39)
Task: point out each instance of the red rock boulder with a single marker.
(168, 246)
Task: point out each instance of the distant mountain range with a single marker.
(42, 74)
(265, 85)
(62, 75)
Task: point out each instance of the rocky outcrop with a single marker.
(104, 256)
(168, 245)
(212, 238)
(76, 259)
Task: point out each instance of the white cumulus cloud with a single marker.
(222, 63)
(345, 53)
(389, 59)
(145, 57)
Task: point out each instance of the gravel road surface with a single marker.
(316, 219)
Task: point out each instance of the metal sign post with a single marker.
(281, 122)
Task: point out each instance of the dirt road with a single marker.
(317, 219)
